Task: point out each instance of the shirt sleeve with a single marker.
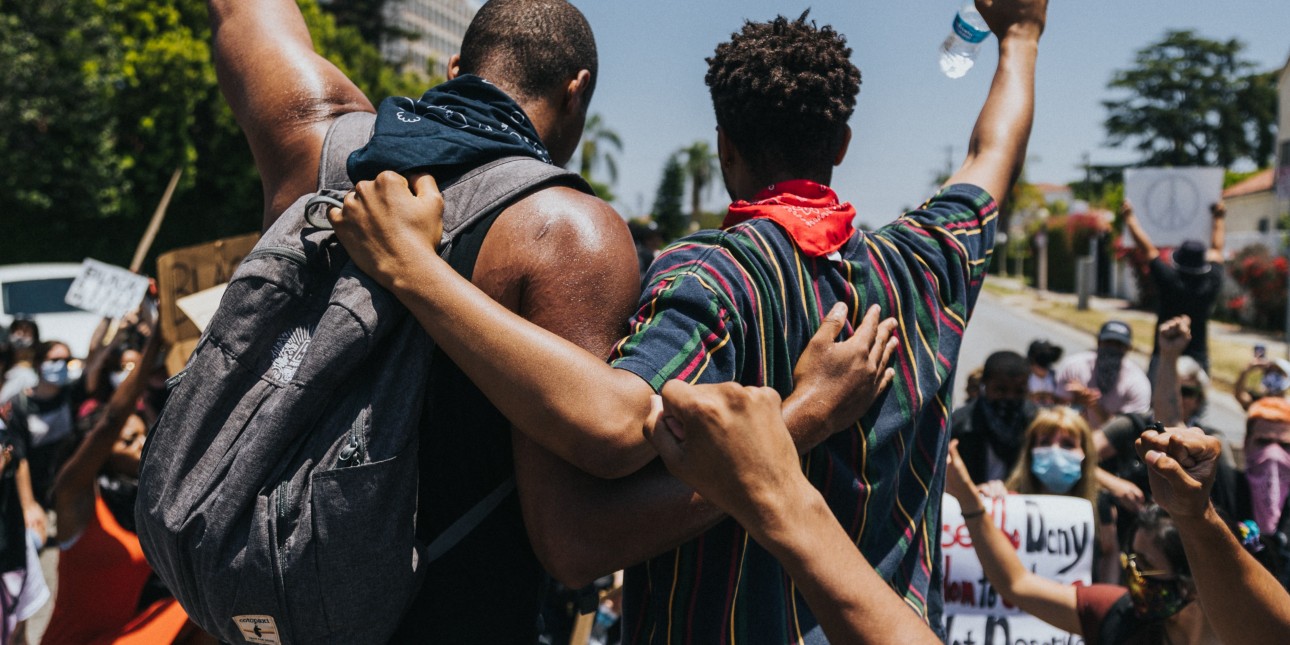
(688, 326)
(952, 238)
(1093, 603)
(1137, 392)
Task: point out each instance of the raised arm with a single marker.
(1166, 397)
(1217, 233)
(997, 148)
(1242, 600)
(74, 485)
(1047, 600)
(1140, 237)
(283, 94)
(727, 441)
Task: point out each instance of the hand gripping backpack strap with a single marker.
(347, 133)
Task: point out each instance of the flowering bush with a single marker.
(1262, 278)
(1068, 240)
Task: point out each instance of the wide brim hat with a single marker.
(1189, 257)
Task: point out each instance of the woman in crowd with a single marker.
(1057, 459)
(1042, 356)
(1156, 606)
(94, 496)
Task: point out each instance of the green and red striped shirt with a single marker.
(740, 305)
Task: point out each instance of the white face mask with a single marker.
(118, 377)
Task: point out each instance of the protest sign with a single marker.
(200, 307)
(190, 270)
(1172, 204)
(1054, 537)
(111, 292)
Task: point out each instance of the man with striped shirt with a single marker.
(740, 304)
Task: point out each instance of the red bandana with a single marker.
(810, 212)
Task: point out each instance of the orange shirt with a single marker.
(99, 581)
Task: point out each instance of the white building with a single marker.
(1254, 208)
(437, 27)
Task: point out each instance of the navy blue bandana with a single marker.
(455, 126)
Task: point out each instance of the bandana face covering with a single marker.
(809, 212)
(1268, 471)
(1154, 599)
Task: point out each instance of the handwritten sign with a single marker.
(191, 270)
(1053, 536)
(111, 292)
(1172, 204)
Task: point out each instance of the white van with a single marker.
(37, 291)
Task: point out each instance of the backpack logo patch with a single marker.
(289, 352)
(261, 630)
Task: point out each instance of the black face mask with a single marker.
(1005, 423)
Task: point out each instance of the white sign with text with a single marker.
(109, 291)
(1054, 537)
(1172, 204)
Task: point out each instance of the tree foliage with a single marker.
(599, 143)
(672, 222)
(100, 100)
(1190, 101)
(701, 168)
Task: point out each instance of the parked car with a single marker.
(37, 291)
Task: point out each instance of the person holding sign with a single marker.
(1155, 607)
(1188, 284)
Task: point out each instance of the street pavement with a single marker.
(997, 326)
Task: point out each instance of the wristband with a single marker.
(976, 513)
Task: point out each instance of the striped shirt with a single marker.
(741, 305)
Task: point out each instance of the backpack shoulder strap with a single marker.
(495, 185)
(347, 133)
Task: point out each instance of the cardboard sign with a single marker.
(109, 291)
(200, 307)
(1054, 537)
(191, 270)
(1172, 204)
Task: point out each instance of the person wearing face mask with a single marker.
(1263, 492)
(43, 417)
(1102, 383)
(20, 374)
(1156, 606)
(989, 428)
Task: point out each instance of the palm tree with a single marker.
(596, 138)
(701, 166)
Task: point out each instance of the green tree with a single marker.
(672, 222)
(701, 167)
(599, 143)
(100, 100)
(1189, 101)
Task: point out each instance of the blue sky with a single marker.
(651, 86)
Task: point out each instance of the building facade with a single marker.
(434, 31)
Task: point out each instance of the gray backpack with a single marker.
(278, 491)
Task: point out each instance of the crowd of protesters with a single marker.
(73, 430)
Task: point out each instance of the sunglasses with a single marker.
(1190, 391)
(1136, 575)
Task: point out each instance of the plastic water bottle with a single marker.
(958, 52)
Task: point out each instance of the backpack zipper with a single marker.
(354, 450)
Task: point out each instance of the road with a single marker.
(996, 326)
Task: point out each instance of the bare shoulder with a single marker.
(564, 260)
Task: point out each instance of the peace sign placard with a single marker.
(1172, 204)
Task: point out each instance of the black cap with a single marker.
(1116, 331)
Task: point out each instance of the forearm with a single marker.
(852, 602)
(1218, 235)
(583, 527)
(1140, 238)
(1243, 601)
(558, 394)
(807, 421)
(997, 147)
(1166, 398)
(22, 480)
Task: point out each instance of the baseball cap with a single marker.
(1116, 331)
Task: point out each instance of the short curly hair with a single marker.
(783, 91)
